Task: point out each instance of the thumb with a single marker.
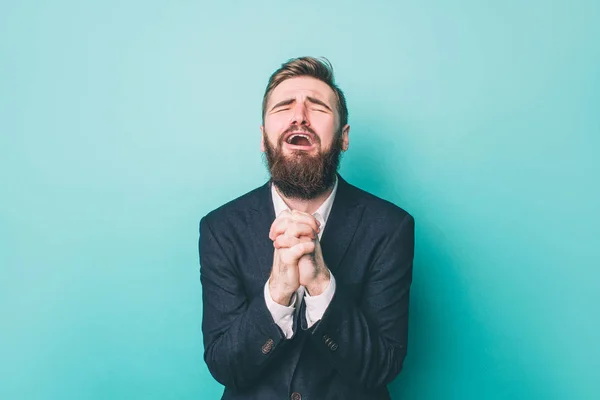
(301, 249)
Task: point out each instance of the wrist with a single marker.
(318, 285)
(282, 297)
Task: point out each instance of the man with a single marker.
(305, 280)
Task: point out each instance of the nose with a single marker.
(299, 116)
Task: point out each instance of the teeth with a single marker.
(298, 134)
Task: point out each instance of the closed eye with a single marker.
(283, 105)
(320, 105)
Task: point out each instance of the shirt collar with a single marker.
(322, 213)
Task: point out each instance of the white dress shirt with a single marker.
(315, 305)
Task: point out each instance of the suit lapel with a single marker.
(260, 216)
(341, 225)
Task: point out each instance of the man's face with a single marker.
(302, 138)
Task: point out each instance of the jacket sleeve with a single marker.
(366, 342)
(240, 336)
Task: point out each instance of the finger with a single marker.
(287, 217)
(291, 228)
(284, 241)
(280, 224)
(308, 219)
(297, 229)
(301, 249)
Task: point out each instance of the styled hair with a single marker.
(318, 68)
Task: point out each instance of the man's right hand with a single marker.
(293, 235)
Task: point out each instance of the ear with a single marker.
(262, 138)
(345, 138)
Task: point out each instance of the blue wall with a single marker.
(123, 123)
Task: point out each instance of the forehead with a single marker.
(301, 87)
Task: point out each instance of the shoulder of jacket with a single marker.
(234, 207)
(378, 207)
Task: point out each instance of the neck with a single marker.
(306, 206)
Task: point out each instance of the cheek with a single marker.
(325, 127)
(274, 125)
(324, 121)
(272, 133)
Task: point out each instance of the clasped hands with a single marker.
(297, 258)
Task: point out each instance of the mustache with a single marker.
(301, 128)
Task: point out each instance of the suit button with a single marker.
(296, 396)
(268, 346)
(334, 346)
(326, 338)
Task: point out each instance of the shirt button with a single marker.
(296, 396)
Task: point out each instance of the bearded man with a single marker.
(306, 279)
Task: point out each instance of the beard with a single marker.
(300, 175)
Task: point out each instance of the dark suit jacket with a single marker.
(359, 345)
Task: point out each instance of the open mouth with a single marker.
(299, 139)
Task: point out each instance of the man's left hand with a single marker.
(314, 274)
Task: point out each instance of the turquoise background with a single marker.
(124, 122)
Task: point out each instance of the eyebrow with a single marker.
(313, 100)
(319, 102)
(283, 103)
